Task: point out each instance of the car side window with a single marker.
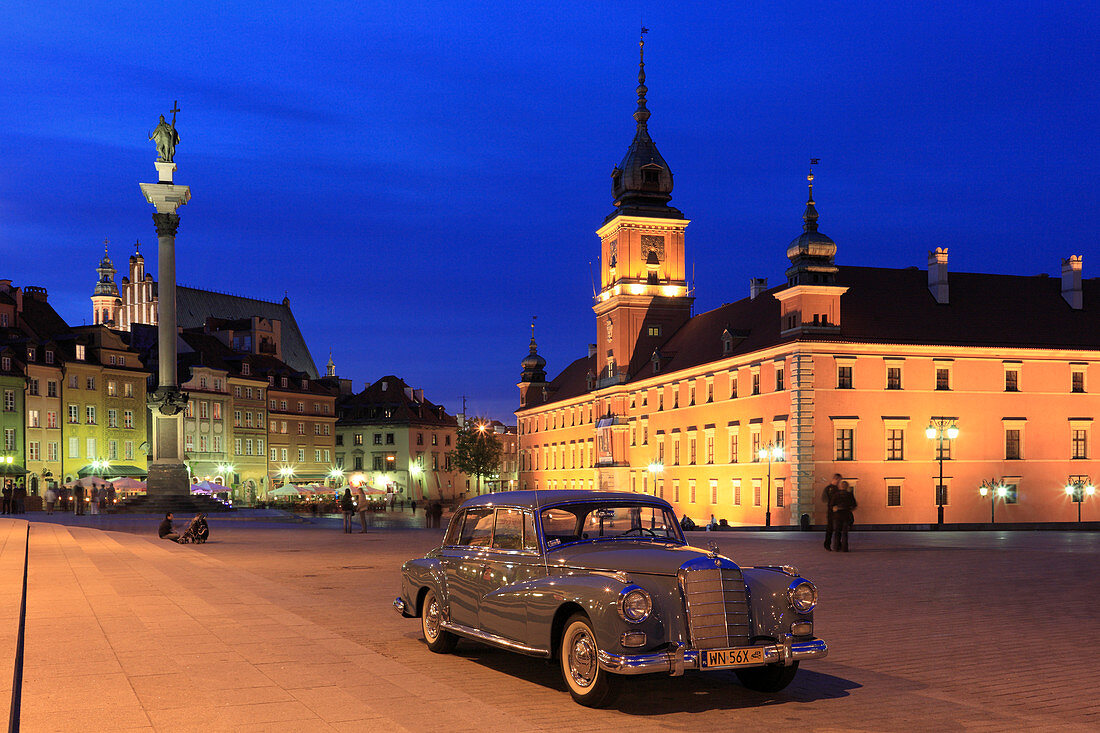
(530, 538)
(508, 534)
(477, 528)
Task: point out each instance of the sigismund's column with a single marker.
(168, 478)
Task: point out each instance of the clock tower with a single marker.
(644, 296)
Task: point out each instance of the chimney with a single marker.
(1071, 281)
(591, 350)
(937, 274)
(757, 286)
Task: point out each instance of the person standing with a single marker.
(110, 502)
(362, 506)
(19, 498)
(78, 500)
(51, 498)
(7, 498)
(412, 504)
(827, 497)
(844, 503)
(93, 500)
(347, 506)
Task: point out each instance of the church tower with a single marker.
(811, 301)
(644, 296)
(105, 300)
(533, 387)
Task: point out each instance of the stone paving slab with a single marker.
(289, 627)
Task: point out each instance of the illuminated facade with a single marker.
(839, 370)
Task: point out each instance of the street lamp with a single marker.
(1078, 489)
(336, 474)
(656, 468)
(414, 470)
(770, 453)
(994, 489)
(286, 472)
(938, 429)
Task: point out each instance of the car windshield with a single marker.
(575, 522)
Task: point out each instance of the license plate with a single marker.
(736, 657)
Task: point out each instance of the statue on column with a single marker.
(166, 137)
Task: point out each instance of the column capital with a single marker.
(166, 224)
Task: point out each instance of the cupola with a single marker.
(811, 252)
(642, 182)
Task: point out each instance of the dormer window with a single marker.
(245, 369)
(30, 354)
(80, 352)
(49, 357)
(650, 175)
(283, 382)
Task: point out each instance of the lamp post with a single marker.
(1078, 489)
(656, 468)
(769, 453)
(994, 489)
(414, 470)
(286, 472)
(938, 429)
(336, 474)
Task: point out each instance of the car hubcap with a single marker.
(431, 620)
(582, 658)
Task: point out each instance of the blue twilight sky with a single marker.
(423, 177)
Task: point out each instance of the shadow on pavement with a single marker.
(660, 694)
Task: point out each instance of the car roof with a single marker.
(539, 499)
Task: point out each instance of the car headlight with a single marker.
(803, 596)
(635, 604)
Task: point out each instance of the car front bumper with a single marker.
(785, 652)
(401, 608)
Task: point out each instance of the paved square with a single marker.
(289, 627)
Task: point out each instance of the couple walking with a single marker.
(841, 502)
(350, 507)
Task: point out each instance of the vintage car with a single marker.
(606, 584)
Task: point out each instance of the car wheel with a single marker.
(589, 685)
(431, 620)
(771, 678)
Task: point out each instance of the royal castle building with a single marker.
(917, 386)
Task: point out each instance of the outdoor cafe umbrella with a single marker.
(88, 482)
(284, 491)
(206, 487)
(125, 483)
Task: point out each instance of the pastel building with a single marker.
(745, 412)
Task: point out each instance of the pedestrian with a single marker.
(110, 497)
(51, 498)
(712, 524)
(7, 498)
(362, 506)
(93, 500)
(844, 503)
(412, 505)
(19, 498)
(437, 513)
(347, 506)
(827, 497)
(165, 530)
(78, 500)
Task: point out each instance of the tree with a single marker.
(477, 451)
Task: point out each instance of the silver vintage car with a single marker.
(606, 584)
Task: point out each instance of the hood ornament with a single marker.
(714, 551)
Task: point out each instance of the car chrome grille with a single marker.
(717, 607)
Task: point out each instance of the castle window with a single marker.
(844, 377)
(654, 330)
(1077, 383)
(1012, 380)
(651, 176)
(893, 377)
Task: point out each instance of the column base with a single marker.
(167, 479)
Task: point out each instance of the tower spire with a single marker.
(809, 218)
(641, 115)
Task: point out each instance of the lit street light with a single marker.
(938, 429)
(770, 453)
(656, 469)
(1078, 490)
(994, 489)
